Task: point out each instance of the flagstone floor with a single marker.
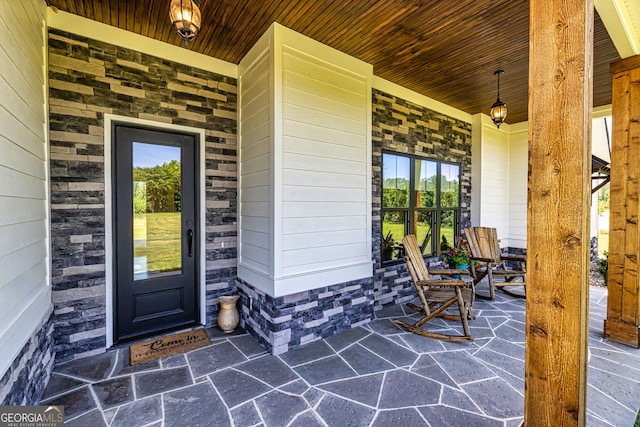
(375, 375)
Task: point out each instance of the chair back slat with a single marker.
(472, 241)
(412, 251)
(492, 235)
(483, 242)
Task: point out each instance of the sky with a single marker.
(150, 155)
(398, 167)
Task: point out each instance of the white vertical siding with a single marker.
(256, 209)
(25, 294)
(518, 172)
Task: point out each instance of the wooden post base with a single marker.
(623, 333)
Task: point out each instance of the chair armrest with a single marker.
(476, 258)
(449, 272)
(443, 282)
(507, 257)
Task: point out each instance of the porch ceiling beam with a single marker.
(621, 18)
(559, 193)
(600, 185)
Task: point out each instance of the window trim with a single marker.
(438, 209)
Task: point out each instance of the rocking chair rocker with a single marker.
(436, 295)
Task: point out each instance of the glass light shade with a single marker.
(185, 17)
(498, 112)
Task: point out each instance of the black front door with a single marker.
(155, 230)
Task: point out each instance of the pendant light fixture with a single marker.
(185, 17)
(499, 108)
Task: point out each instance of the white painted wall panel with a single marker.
(323, 238)
(256, 255)
(315, 179)
(259, 116)
(319, 164)
(256, 164)
(258, 209)
(16, 157)
(14, 130)
(17, 262)
(320, 209)
(256, 238)
(334, 79)
(495, 181)
(330, 150)
(312, 114)
(309, 162)
(322, 133)
(490, 176)
(20, 235)
(253, 223)
(518, 175)
(323, 194)
(21, 291)
(324, 130)
(255, 143)
(297, 259)
(256, 179)
(15, 183)
(311, 224)
(22, 210)
(25, 294)
(258, 193)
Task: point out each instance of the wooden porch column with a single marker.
(623, 304)
(559, 197)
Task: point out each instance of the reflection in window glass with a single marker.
(447, 229)
(449, 185)
(156, 210)
(396, 178)
(424, 230)
(425, 183)
(393, 230)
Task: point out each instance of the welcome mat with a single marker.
(169, 345)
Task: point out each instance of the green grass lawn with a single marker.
(158, 238)
(397, 231)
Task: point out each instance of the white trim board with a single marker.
(108, 217)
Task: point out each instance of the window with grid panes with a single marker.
(420, 196)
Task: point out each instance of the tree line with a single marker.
(157, 188)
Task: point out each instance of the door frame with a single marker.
(108, 206)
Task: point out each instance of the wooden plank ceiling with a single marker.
(443, 49)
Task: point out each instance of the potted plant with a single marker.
(457, 258)
(387, 246)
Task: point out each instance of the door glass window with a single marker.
(157, 211)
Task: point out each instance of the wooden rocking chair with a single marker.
(485, 248)
(436, 295)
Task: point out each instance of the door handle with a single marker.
(190, 242)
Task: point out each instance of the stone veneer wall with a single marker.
(25, 380)
(284, 323)
(87, 79)
(405, 127)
